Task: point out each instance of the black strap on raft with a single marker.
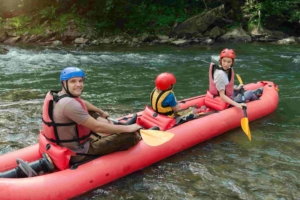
(76, 165)
(156, 104)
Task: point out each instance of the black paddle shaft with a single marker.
(242, 93)
(243, 100)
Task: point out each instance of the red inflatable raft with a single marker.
(73, 182)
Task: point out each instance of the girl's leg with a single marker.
(248, 95)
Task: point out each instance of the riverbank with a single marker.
(145, 40)
(237, 35)
(208, 28)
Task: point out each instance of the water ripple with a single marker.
(119, 80)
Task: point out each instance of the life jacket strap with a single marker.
(58, 124)
(67, 141)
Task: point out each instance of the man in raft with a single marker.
(69, 132)
(222, 91)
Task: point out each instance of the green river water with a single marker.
(119, 80)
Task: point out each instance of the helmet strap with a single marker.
(221, 68)
(67, 89)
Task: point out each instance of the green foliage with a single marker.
(48, 13)
(134, 16)
(36, 30)
(102, 25)
(25, 23)
(154, 18)
(109, 5)
(20, 22)
(295, 16)
(233, 26)
(1, 22)
(252, 25)
(251, 11)
(62, 20)
(271, 7)
(288, 8)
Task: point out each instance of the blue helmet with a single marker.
(70, 72)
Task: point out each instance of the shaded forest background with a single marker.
(139, 16)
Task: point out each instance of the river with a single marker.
(120, 79)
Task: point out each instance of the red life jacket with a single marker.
(212, 98)
(49, 138)
(151, 118)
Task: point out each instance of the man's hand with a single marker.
(104, 114)
(134, 127)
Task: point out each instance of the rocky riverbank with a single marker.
(204, 29)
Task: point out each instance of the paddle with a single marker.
(185, 111)
(244, 120)
(152, 137)
(202, 114)
(188, 110)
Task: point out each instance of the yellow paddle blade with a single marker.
(239, 78)
(245, 127)
(155, 138)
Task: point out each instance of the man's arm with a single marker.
(91, 107)
(103, 127)
(75, 112)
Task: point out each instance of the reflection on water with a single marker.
(119, 80)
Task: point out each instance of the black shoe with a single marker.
(190, 117)
(132, 120)
(154, 128)
(258, 93)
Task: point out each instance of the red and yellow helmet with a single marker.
(164, 81)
